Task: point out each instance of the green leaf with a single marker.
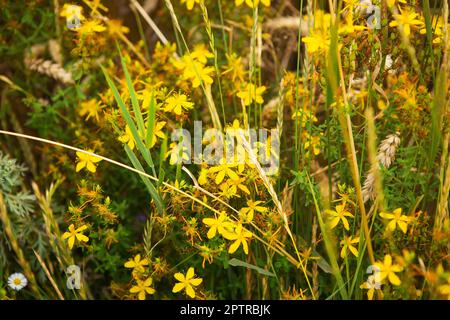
(151, 188)
(127, 116)
(151, 120)
(140, 145)
(134, 101)
(239, 263)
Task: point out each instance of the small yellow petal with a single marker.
(190, 291)
(178, 287)
(71, 242)
(196, 281)
(190, 273)
(179, 276)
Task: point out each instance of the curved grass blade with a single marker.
(134, 131)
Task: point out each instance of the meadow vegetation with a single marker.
(346, 198)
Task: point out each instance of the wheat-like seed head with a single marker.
(50, 69)
(387, 149)
(385, 157)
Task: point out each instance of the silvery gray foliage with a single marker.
(17, 201)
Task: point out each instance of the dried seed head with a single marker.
(387, 149)
(385, 157)
(50, 69)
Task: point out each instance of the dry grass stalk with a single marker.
(151, 23)
(442, 210)
(49, 275)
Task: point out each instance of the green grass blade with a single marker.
(127, 116)
(151, 120)
(151, 188)
(329, 247)
(429, 29)
(134, 100)
(437, 113)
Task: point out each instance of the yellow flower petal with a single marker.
(71, 242)
(190, 291)
(135, 289)
(190, 273)
(196, 281)
(82, 237)
(179, 276)
(66, 235)
(234, 246)
(80, 165)
(394, 279)
(178, 287)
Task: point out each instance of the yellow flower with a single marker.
(251, 93)
(178, 153)
(90, 108)
(142, 288)
(89, 27)
(347, 244)
(88, 161)
(70, 11)
(194, 71)
(240, 235)
(371, 285)
(158, 133)
(115, 27)
(220, 224)
(230, 188)
(397, 219)
(252, 3)
(406, 19)
(321, 20)
(239, 182)
(388, 270)
(176, 103)
(187, 282)
(317, 42)
(224, 169)
(137, 264)
(128, 138)
(350, 4)
(313, 143)
(249, 212)
(75, 234)
(445, 289)
(203, 176)
(391, 3)
(190, 3)
(438, 30)
(339, 214)
(349, 27)
(235, 68)
(201, 53)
